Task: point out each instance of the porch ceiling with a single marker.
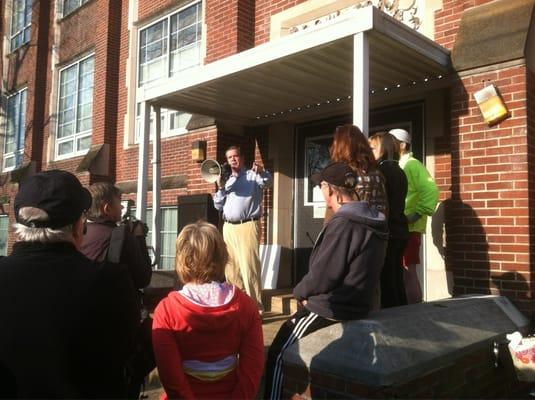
(304, 69)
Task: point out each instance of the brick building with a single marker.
(85, 81)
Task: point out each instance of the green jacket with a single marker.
(422, 193)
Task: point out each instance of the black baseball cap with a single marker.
(337, 174)
(57, 192)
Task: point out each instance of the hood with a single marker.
(361, 213)
(203, 318)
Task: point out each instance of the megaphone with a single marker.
(210, 170)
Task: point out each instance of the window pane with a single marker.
(83, 143)
(4, 224)
(71, 5)
(187, 17)
(21, 18)
(9, 162)
(167, 236)
(15, 128)
(184, 31)
(65, 148)
(75, 106)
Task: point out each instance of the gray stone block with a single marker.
(397, 345)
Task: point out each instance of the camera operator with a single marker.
(101, 237)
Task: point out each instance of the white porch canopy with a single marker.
(339, 62)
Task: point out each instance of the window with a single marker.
(75, 109)
(70, 5)
(168, 236)
(170, 45)
(4, 224)
(15, 130)
(172, 122)
(21, 21)
(167, 47)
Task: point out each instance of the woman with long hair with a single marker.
(386, 152)
(350, 146)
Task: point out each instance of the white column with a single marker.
(361, 82)
(143, 160)
(156, 212)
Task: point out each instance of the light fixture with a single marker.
(198, 151)
(491, 105)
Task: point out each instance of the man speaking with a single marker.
(240, 198)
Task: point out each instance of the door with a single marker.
(312, 147)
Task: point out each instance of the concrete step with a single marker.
(279, 301)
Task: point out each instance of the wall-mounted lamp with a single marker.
(491, 105)
(198, 151)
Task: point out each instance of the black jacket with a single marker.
(345, 264)
(67, 324)
(396, 189)
(134, 253)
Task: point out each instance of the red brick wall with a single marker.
(229, 26)
(472, 375)
(530, 99)
(447, 20)
(488, 213)
(264, 10)
(483, 176)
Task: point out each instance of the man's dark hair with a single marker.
(237, 148)
(101, 192)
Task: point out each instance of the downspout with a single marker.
(156, 175)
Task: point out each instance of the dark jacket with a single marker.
(396, 189)
(134, 253)
(67, 324)
(345, 263)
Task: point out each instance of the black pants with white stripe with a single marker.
(302, 323)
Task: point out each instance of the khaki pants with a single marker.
(243, 268)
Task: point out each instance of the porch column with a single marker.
(156, 212)
(361, 82)
(142, 167)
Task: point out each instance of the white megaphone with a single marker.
(210, 170)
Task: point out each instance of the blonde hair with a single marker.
(201, 254)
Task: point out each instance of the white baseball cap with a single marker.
(401, 134)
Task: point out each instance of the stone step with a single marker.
(279, 301)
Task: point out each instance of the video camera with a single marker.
(129, 219)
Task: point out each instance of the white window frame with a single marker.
(20, 126)
(170, 230)
(79, 3)
(24, 31)
(166, 116)
(166, 58)
(76, 135)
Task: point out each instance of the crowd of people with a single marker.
(70, 290)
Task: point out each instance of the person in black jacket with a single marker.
(344, 268)
(386, 150)
(67, 322)
(102, 218)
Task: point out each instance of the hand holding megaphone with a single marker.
(212, 171)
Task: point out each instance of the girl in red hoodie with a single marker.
(207, 337)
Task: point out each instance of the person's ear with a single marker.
(105, 208)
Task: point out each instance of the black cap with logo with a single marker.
(59, 193)
(337, 174)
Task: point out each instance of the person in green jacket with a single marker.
(421, 201)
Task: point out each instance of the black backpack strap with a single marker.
(117, 239)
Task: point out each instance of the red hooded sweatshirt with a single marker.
(193, 345)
